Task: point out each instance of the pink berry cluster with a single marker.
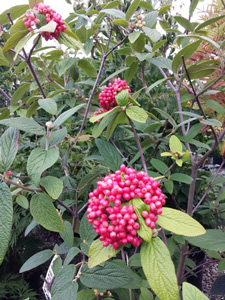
(31, 20)
(107, 96)
(116, 222)
(139, 23)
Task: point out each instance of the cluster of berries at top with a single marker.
(114, 220)
(139, 23)
(32, 19)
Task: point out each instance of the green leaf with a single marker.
(15, 12)
(9, 143)
(120, 22)
(70, 255)
(175, 144)
(215, 106)
(111, 157)
(194, 130)
(119, 119)
(32, 3)
(131, 72)
(184, 23)
(63, 286)
(49, 105)
(145, 294)
(19, 93)
(159, 269)
(45, 214)
(133, 36)
(21, 44)
(64, 65)
(3, 60)
(132, 9)
(39, 160)
(204, 38)
(162, 62)
(67, 114)
(208, 22)
(14, 40)
(68, 234)
(167, 116)
(169, 185)
(118, 14)
(192, 7)
(181, 178)
(122, 98)
(211, 122)
(146, 5)
(6, 218)
(137, 114)
(86, 294)
(135, 260)
(212, 240)
(190, 292)
(55, 138)
(179, 223)
(158, 45)
(153, 34)
(159, 165)
(50, 27)
(22, 201)
(87, 67)
(87, 233)
(52, 185)
(36, 260)
(221, 265)
(144, 231)
(24, 124)
(150, 19)
(152, 86)
(98, 254)
(186, 52)
(105, 277)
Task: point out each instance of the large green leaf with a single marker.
(122, 98)
(86, 294)
(19, 93)
(162, 62)
(179, 223)
(208, 22)
(52, 185)
(15, 12)
(9, 143)
(39, 160)
(153, 34)
(181, 178)
(45, 214)
(214, 240)
(159, 269)
(68, 234)
(24, 124)
(6, 218)
(190, 292)
(64, 288)
(115, 13)
(186, 52)
(87, 67)
(98, 254)
(70, 255)
(111, 157)
(49, 105)
(55, 138)
(22, 201)
(14, 39)
(159, 165)
(67, 114)
(137, 114)
(132, 8)
(175, 144)
(184, 23)
(150, 19)
(3, 60)
(36, 260)
(144, 231)
(109, 276)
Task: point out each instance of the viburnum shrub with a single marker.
(32, 19)
(114, 220)
(107, 96)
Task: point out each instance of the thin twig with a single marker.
(208, 189)
(5, 95)
(118, 150)
(223, 3)
(7, 180)
(168, 170)
(139, 145)
(66, 207)
(32, 49)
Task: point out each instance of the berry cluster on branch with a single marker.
(113, 218)
(31, 20)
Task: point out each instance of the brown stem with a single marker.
(139, 145)
(118, 150)
(66, 207)
(7, 180)
(5, 95)
(167, 171)
(223, 3)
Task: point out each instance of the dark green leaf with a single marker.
(70, 255)
(65, 64)
(87, 233)
(158, 45)
(36, 260)
(132, 9)
(55, 138)
(86, 294)
(159, 165)
(24, 124)
(112, 158)
(19, 93)
(49, 105)
(131, 72)
(9, 143)
(52, 185)
(22, 201)
(45, 214)
(122, 98)
(67, 114)
(162, 62)
(181, 178)
(68, 234)
(184, 23)
(14, 40)
(6, 218)
(87, 67)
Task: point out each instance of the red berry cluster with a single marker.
(50, 15)
(107, 96)
(115, 222)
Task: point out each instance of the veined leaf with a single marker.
(9, 143)
(24, 124)
(190, 292)
(67, 114)
(132, 9)
(175, 144)
(36, 260)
